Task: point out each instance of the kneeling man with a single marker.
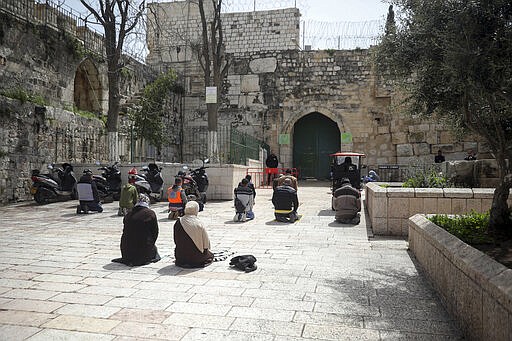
(347, 203)
(285, 202)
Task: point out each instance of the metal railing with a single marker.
(234, 146)
(59, 17)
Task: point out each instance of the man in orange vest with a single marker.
(177, 199)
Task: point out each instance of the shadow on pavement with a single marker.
(326, 213)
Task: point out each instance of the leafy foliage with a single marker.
(451, 60)
(470, 228)
(154, 105)
(24, 96)
(429, 178)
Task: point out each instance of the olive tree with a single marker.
(452, 61)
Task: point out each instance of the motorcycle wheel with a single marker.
(43, 196)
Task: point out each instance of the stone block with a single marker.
(458, 193)
(263, 65)
(459, 206)
(249, 83)
(421, 148)
(379, 208)
(444, 206)
(474, 204)
(394, 227)
(496, 321)
(404, 150)
(398, 208)
(430, 205)
(399, 138)
(416, 205)
(428, 192)
(399, 192)
(483, 193)
(380, 226)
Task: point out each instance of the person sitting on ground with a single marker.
(244, 199)
(373, 176)
(285, 202)
(140, 233)
(439, 158)
(128, 197)
(471, 156)
(347, 203)
(88, 194)
(191, 240)
(177, 199)
(288, 175)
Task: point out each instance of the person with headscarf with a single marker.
(191, 240)
(140, 233)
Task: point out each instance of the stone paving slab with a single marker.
(316, 279)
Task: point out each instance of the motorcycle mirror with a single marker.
(206, 160)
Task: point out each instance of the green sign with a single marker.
(284, 138)
(346, 138)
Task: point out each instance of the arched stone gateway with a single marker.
(88, 90)
(315, 136)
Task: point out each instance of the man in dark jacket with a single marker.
(88, 194)
(347, 203)
(271, 162)
(244, 199)
(285, 202)
(140, 233)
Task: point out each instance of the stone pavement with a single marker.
(316, 279)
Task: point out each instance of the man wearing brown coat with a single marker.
(347, 203)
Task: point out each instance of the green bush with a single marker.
(470, 228)
(24, 96)
(426, 178)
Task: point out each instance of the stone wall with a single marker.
(475, 289)
(390, 208)
(32, 137)
(271, 84)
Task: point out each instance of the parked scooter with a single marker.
(150, 182)
(57, 185)
(201, 178)
(109, 181)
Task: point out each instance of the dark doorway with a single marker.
(315, 136)
(87, 89)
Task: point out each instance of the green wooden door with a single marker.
(315, 136)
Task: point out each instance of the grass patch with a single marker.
(24, 96)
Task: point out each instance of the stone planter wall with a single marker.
(390, 208)
(475, 289)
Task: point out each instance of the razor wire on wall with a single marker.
(315, 34)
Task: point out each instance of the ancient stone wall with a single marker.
(174, 26)
(271, 84)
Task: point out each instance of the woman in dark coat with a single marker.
(139, 235)
(192, 242)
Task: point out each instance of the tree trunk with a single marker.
(500, 215)
(213, 147)
(113, 109)
(112, 146)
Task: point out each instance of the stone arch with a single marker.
(88, 90)
(286, 151)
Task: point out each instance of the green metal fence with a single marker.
(242, 147)
(234, 146)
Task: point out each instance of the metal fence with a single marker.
(234, 146)
(59, 17)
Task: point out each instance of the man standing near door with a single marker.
(271, 164)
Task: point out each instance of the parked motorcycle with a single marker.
(109, 181)
(201, 178)
(57, 185)
(150, 182)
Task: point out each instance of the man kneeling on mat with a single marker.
(285, 202)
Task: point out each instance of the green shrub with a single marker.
(24, 96)
(470, 228)
(426, 178)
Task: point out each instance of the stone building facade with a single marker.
(301, 103)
